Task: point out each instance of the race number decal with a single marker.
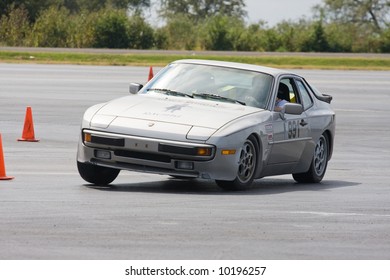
(293, 129)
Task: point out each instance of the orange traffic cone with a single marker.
(2, 165)
(28, 129)
(150, 73)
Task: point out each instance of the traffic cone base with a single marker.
(28, 129)
(28, 140)
(3, 176)
(6, 178)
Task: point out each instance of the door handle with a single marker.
(303, 123)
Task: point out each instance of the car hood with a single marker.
(157, 115)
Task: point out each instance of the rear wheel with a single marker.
(318, 165)
(246, 169)
(97, 175)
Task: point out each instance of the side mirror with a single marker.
(293, 109)
(135, 88)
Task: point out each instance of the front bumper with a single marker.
(158, 156)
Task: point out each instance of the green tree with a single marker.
(180, 34)
(289, 36)
(355, 25)
(111, 30)
(272, 40)
(161, 39)
(317, 41)
(385, 41)
(373, 14)
(51, 28)
(216, 34)
(14, 27)
(96, 5)
(82, 29)
(286, 32)
(35, 7)
(249, 38)
(198, 10)
(340, 37)
(140, 33)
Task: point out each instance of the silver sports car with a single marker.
(224, 121)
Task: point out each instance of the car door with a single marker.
(290, 132)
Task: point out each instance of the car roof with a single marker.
(244, 66)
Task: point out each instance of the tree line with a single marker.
(335, 26)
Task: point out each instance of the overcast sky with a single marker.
(274, 11)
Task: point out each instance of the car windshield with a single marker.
(212, 83)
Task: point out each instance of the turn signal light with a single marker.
(203, 151)
(228, 152)
(87, 137)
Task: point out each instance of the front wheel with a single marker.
(97, 175)
(246, 168)
(318, 165)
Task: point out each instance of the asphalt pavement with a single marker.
(49, 212)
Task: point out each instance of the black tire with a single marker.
(97, 175)
(246, 169)
(318, 165)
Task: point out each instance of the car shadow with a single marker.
(267, 186)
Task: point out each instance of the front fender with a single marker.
(89, 113)
(233, 135)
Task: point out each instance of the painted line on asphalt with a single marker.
(329, 214)
(361, 111)
(42, 173)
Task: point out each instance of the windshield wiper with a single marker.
(218, 97)
(170, 92)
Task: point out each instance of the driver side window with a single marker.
(289, 82)
(307, 102)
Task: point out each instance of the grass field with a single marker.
(155, 58)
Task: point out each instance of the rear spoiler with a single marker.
(320, 96)
(325, 97)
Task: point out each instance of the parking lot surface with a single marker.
(49, 212)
